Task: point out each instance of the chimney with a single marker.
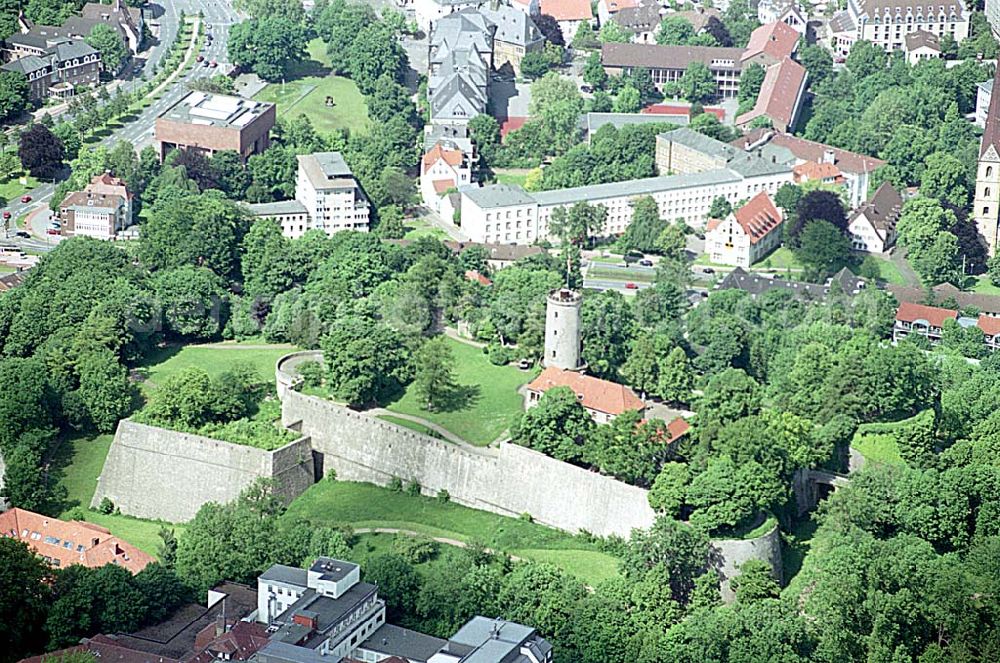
(829, 156)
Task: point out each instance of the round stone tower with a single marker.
(563, 342)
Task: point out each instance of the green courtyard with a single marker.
(214, 358)
(363, 505)
(484, 403)
(307, 90)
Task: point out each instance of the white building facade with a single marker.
(886, 23)
(746, 235)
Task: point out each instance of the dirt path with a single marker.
(443, 432)
(439, 539)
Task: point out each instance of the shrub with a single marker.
(106, 506)
(526, 517)
(395, 485)
(331, 475)
(311, 373)
(415, 549)
(498, 354)
(413, 489)
(443, 496)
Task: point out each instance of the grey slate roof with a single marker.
(497, 195)
(329, 611)
(74, 48)
(740, 279)
(27, 65)
(275, 208)
(641, 187)
(397, 641)
(594, 121)
(512, 25)
(746, 164)
(289, 575)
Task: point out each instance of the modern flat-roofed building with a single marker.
(666, 64)
(211, 123)
(327, 197)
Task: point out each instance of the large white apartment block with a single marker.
(327, 197)
(505, 214)
(886, 23)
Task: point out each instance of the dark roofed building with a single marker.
(667, 64)
(53, 66)
(843, 281)
(872, 226)
(390, 640)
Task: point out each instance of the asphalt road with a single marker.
(219, 16)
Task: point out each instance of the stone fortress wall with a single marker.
(162, 474)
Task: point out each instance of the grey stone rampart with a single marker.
(509, 480)
(162, 474)
(728, 554)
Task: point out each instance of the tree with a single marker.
(192, 299)
(628, 448)
(681, 549)
(365, 360)
(675, 377)
(728, 396)
(939, 262)
(578, 223)
(643, 233)
(718, 31)
(549, 27)
(944, 178)
(13, 94)
(593, 72)
(817, 205)
(667, 494)
(111, 46)
(557, 426)
(612, 32)
(397, 579)
(534, 65)
(675, 30)
(485, 132)
(823, 249)
(640, 367)
(627, 101)
(390, 222)
(865, 59)
(105, 391)
(607, 325)
(267, 45)
(24, 599)
(542, 595)
(41, 152)
(434, 377)
(817, 61)
(229, 173)
(585, 37)
(105, 599)
(697, 83)
(720, 208)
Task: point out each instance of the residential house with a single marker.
(570, 14)
(791, 150)
(886, 23)
(769, 44)
(872, 227)
(55, 67)
(63, 543)
(788, 12)
(746, 235)
(603, 400)
(88, 214)
(986, 203)
(127, 21)
(921, 45)
(444, 167)
(947, 295)
(780, 98)
(642, 19)
(327, 197)
(930, 321)
(841, 34)
(514, 36)
(825, 173)
(209, 123)
(460, 58)
(498, 256)
(843, 282)
(666, 64)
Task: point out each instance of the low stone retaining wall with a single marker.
(162, 474)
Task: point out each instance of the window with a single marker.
(989, 171)
(986, 211)
(986, 192)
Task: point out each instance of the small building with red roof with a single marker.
(929, 322)
(810, 171)
(570, 14)
(770, 44)
(602, 399)
(443, 168)
(63, 543)
(746, 235)
(781, 95)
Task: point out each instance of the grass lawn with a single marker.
(985, 287)
(511, 177)
(889, 272)
(485, 401)
(597, 272)
(305, 93)
(333, 503)
(82, 459)
(417, 228)
(215, 359)
(878, 448)
(780, 258)
(12, 189)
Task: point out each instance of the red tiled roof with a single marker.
(777, 40)
(677, 429)
(615, 6)
(567, 10)
(810, 150)
(712, 224)
(989, 324)
(810, 170)
(88, 544)
(106, 650)
(933, 315)
(238, 643)
(440, 186)
(758, 217)
(594, 393)
(666, 109)
(450, 157)
(474, 275)
(780, 93)
(511, 124)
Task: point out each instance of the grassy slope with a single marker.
(489, 404)
(365, 505)
(878, 448)
(294, 97)
(164, 362)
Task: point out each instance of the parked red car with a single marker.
(52, 231)
(631, 286)
(6, 215)
(25, 198)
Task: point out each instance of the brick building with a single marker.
(211, 123)
(54, 67)
(666, 64)
(102, 209)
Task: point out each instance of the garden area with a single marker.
(362, 505)
(484, 402)
(310, 86)
(214, 358)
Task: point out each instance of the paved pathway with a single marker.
(451, 332)
(434, 220)
(439, 539)
(443, 432)
(898, 258)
